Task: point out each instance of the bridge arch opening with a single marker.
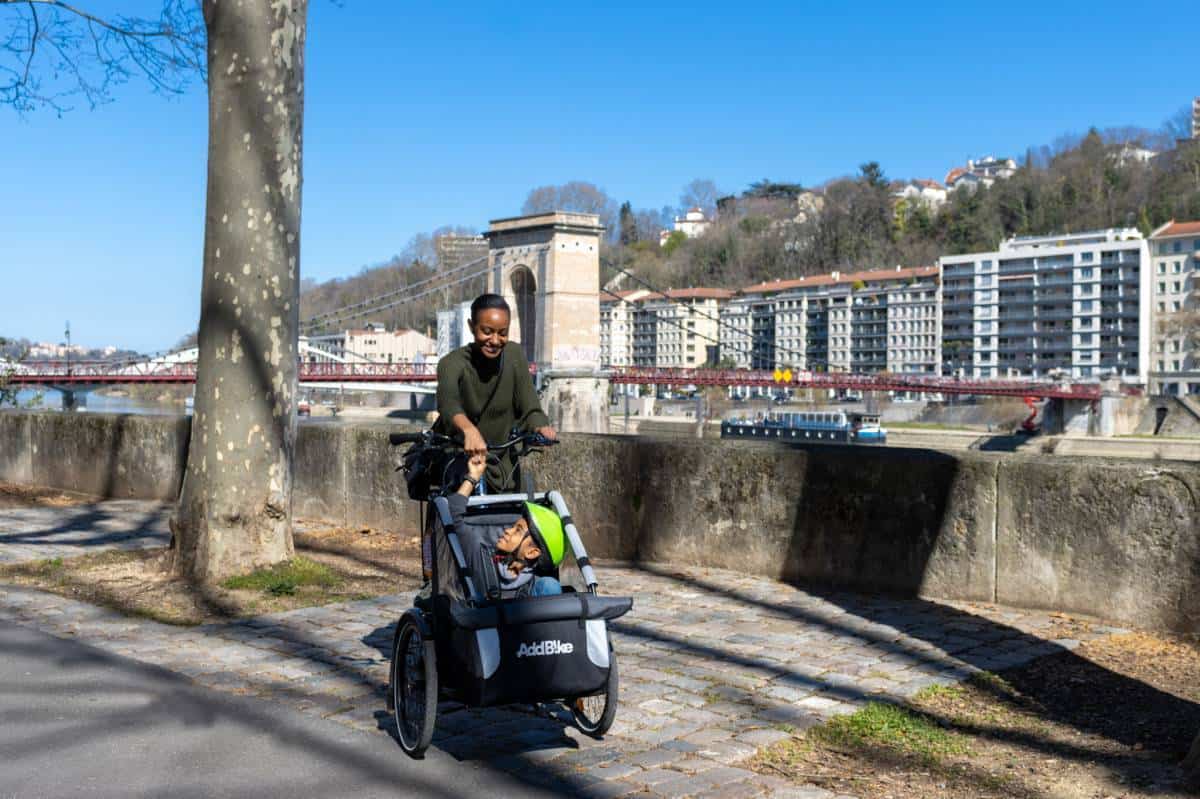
(524, 290)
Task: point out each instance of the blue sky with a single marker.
(419, 116)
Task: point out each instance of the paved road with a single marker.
(77, 721)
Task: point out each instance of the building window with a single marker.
(1178, 267)
(1162, 267)
(1086, 272)
(1086, 257)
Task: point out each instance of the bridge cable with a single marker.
(369, 302)
(373, 309)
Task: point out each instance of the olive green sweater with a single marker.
(466, 379)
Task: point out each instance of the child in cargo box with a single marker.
(526, 553)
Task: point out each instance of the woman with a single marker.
(484, 391)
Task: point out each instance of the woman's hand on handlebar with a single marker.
(473, 443)
(547, 433)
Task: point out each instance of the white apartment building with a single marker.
(1175, 309)
(735, 337)
(1073, 304)
(616, 327)
(862, 322)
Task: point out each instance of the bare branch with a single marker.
(63, 51)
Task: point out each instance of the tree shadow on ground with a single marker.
(79, 528)
(148, 702)
(1161, 724)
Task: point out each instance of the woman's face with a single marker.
(491, 331)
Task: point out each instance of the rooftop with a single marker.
(834, 278)
(1174, 228)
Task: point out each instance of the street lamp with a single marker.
(68, 348)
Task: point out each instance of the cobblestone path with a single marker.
(44, 533)
(713, 666)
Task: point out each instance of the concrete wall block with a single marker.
(110, 455)
(1116, 540)
(901, 520)
(598, 478)
(320, 473)
(962, 562)
(16, 448)
(376, 495)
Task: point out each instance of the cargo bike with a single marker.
(473, 644)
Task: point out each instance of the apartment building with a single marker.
(616, 327)
(1073, 304)
(1175, 309)
(677, 328)
(869, 321)
(684, 324)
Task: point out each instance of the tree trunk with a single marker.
(1191, 764)
(235, 511)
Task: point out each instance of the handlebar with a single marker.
(430, 437)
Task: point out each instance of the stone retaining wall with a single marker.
(1117, 539)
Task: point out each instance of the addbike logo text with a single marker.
(542, 648)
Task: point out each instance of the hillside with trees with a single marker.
(775, 230)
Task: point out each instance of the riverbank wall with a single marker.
(1112, 538)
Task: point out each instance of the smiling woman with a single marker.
(484, 390)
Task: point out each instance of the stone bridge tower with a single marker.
(548, 268)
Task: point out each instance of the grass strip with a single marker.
(890, 726)
(283, 579)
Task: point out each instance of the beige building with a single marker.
(679, 328)
(1175, 309)
(376, 344)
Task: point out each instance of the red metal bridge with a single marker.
(96, 373)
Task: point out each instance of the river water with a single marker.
(99, 403)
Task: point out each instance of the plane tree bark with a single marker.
(235, 510)
(236, 504)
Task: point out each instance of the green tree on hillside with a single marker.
(628, 225)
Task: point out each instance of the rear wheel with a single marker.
(595, 714)
(414, 687)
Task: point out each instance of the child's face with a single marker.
(518, 543)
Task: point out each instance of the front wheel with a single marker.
(595, 714)
(414, 687)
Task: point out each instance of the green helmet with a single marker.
(547, 530)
